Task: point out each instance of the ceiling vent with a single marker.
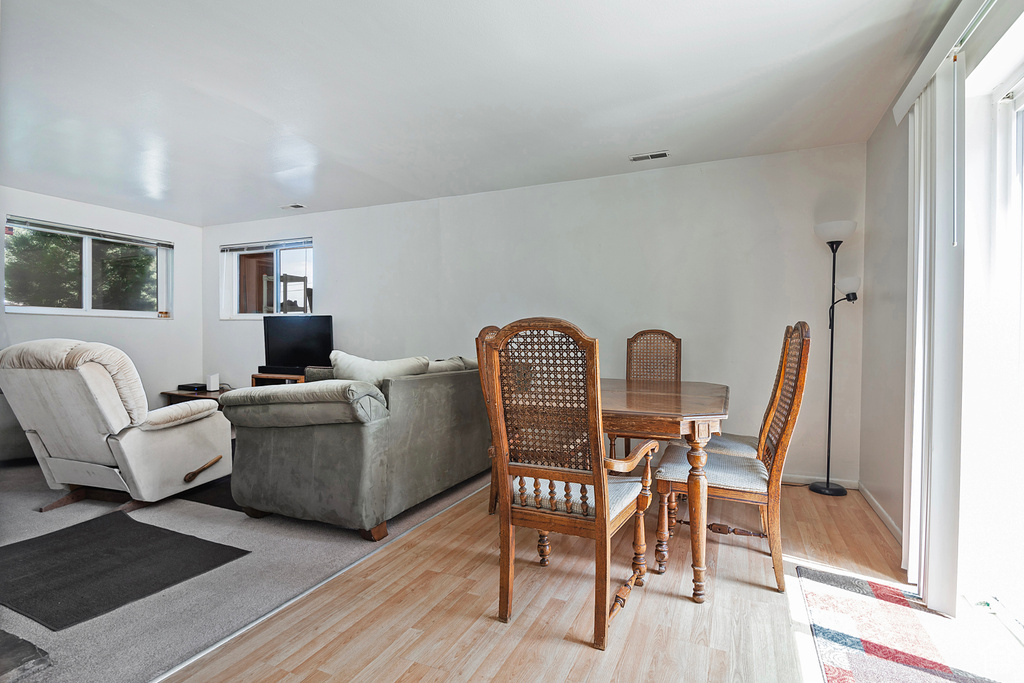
(294, 206)
(649, 155)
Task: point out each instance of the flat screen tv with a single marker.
(297, 341)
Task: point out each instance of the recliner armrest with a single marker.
(178, 414)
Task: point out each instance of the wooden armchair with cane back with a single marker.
(750, 445)
(651, 355)
(549, 456)
(744, 445)
(757, 480)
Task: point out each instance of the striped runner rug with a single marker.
(866, 631)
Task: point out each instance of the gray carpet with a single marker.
(146, 638)
(76, 574)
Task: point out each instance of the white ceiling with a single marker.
(209, 112)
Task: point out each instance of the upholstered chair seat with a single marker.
(732, 444)
(84, 410)
(733, 472)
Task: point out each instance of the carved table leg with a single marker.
(543, 548)
(611, 446)
(697, 496)
(661, 548)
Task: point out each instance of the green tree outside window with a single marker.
(45, 269)
(123, 276)
(42, 269)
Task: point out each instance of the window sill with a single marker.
(77, 312)
(261, 316)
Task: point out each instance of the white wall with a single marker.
(166, 352)
(722, 254)
(885, 320)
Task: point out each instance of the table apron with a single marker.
(659, 427)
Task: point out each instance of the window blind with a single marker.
(62, 229)
(296, 243)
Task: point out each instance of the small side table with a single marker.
(179, 396)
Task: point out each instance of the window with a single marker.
(267, 278)
(62, 269)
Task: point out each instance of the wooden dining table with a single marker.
(665, 411)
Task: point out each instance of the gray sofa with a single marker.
(347, 453)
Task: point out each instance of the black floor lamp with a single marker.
(834, 234)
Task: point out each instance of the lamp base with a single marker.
(828, 489)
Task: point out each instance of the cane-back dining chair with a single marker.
(549, 455)
(651, 355)
(742, 444)
(747, 480)
(489, 331)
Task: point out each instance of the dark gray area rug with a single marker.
(78, 573)
(143, 639)
(19, 658)
(216, 493)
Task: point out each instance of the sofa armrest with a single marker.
(178, 414)
(331, 401)
(345, 390)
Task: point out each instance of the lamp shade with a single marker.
(835, 231)
(848, 285)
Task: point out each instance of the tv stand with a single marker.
(260, 379)
(281, 369)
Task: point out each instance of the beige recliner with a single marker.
(85, 413)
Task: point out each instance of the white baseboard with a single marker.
(882, 514)
(802, 479)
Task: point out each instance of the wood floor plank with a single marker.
(419, 673)
(357, 645)
(425, 607)
(389, 665)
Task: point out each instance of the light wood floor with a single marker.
(425, 607)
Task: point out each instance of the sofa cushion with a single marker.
(318, 373)
(450, 365)
(295, 405)
(347, 366)
(470, 363)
